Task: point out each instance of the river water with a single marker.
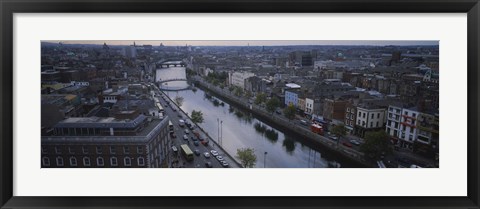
(235, 129)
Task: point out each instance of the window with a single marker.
(372, 116)
(348, 109)
(377, 124)
(85, 149)
(113, 161)
(99, 150)
(126, 150)
(388, 130)
(359, 114)
(71, 150)
(140, 161)
(86, 161)
(371, 124)
(59, 161)
(140, 150)
(112, 149)
(58, 150)
(378, 115)
(46, 161)
(73, 161)
(358, 122)
(406, 112)
(347, 116)
(127, 161)
(44, 150)
(364, 115)
(351, 116)
(100, 161)
(413, 114)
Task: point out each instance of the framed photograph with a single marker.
(266, 104)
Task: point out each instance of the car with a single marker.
(355, 142)
(214, 152)
(204, 142)
(197, 152)
(196, 143)
(186, 131)
(224, 163)
(333, 137)
(172, 134)
(174, 148)
(179, 115)
(208, 164)
(347, 144)
(206, 154)
(193, 138)
(185, 137)
(174, 110)
(303, 122)
(219, 157)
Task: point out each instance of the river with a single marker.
(235, 129)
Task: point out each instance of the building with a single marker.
(408, 128)
(334, 109)
(427, 134)
(369, 118)
(291, 97)
(129, 52)
(393, 122)
(238, 78)
(350, 116)
(301, 103)
(127, 140)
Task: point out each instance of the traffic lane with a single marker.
(180, 132)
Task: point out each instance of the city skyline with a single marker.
(252, 42)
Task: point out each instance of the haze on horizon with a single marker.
(249, 42)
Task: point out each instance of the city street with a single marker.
(177, 159)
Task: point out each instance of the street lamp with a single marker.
(265, 159)
(221, 132)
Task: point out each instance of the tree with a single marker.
(178, 100)
(248, 94)
(340, 131)
(247, 157)
(272, 104)
(261, 98)
(197, 116)
(238, 91)
(289, 112)
(376, 144)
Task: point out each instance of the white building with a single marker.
(402, 125)
(408, 128)
(238, 78)
(393, 120)
(369, 118)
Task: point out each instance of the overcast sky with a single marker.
(251, 43)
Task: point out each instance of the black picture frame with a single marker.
(10, 7)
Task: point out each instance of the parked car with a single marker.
(303, 122)
(208, 164)
(185, 137)
(355, 142)
(214, 152)
(219, 157)
(347, 144)
(206, 154)
(196, 143)
(186, 131)
(224, 163)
